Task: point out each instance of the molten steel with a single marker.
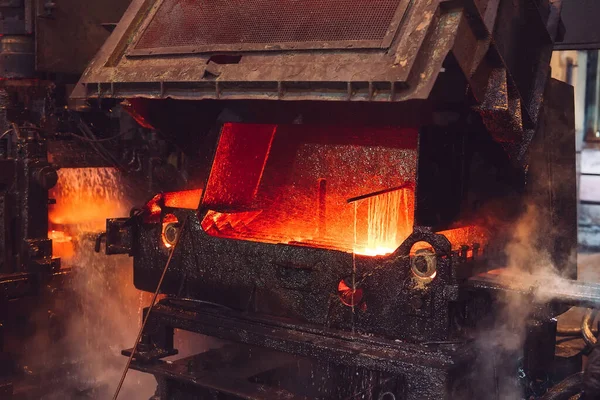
(290, 184)
(85, 197)
(389, 222)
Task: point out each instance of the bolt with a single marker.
(171, 231)
(424, 264)
(46, 177)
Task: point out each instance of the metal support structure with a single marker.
(435, 371)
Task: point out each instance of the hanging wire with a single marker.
(6, 133)
(85, 139)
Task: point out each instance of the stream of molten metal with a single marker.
(389, 222)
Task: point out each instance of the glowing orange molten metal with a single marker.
(62, 244)
(389, 221)
(344, 188)
(186, 199)
(292, 183)
(85, 197)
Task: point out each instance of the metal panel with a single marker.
(222, 25)
(69, 37)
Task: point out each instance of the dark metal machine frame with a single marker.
(486, 60)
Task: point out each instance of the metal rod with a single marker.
(540, 289)
(378, 193)
(6, 133)
(141, 331)
(587, 327)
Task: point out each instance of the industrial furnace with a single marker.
(358, 168)
(329, 192)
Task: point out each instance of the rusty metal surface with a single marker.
(358, 75)
(17, 17)
(194, 27)
(552, 174)
(429, 32)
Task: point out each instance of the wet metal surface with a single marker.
(409, 362)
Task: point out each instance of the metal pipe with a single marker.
(571, 331)
(539, 289)
(380, 192)
(586, 327)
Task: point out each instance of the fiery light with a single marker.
(389, 222)
(290, 184)
(187, 199)
(62, 244)
(85, 197)
(348, 296)
(167, 237)
(100, 286)
(466, 235)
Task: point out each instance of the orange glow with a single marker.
(291, 184)
(153, 206)
(428, 278)
(348, 296)
(375, 251)
(466, 235)
(132, 106)
(389, 222)
(344, 188)
(186, 199)
(62, 244)
(168, 238)
(85, 197)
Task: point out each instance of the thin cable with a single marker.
(139, 336)
(587, 327)
(6, 133)
(92, 140)
(98, 140)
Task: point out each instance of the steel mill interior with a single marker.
(300, 199)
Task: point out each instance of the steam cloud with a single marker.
(104, 309)
(529, 268)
